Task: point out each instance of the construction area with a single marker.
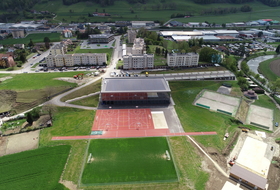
(250, 161)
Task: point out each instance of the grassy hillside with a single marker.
(122, 11)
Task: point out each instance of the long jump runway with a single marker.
(126, 123)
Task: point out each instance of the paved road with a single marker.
(110, 68)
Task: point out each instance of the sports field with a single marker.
(129, 160)
(35, 169)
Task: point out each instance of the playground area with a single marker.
(218, 102)
(260, 117)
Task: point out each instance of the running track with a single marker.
(129, 133)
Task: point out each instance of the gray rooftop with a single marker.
(100, 35)
(140, 84)
(248, 176)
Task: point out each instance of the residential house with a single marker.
(7, 60)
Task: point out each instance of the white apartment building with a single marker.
(138, 61)
(182, 59)
(58, 49)
(69, 60)
(138, 46)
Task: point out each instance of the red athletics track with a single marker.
(122, 119)
(129, 133)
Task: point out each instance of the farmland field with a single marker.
(35, 169)
(121, 10)
(131, 160)
(36, 38)
(270, 68)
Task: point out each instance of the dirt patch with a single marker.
(3, 145)
(77, 81)
(22, 142)
(274, 174)
(7, 99)
(5, 78)
(70, 185)
(275, 67)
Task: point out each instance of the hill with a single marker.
(160, 10)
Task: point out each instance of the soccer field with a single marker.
(130, 160)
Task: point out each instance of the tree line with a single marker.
(271, 3)
(227, 10)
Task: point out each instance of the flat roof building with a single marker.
(182, 59)
(135, 91)
(100, 38)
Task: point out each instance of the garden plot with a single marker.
(261, 117)
(218, 102)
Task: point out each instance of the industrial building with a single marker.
(100, 38)
(69, 60)
(135, 91)
(182, 59)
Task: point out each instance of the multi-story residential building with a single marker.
(69, 60)
(138, 46)
(182, 59)
(138, 61)
(100, 38)
(131, 35)
(58, 49)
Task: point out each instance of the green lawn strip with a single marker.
(264, 68)
(94, 87)
(159, 60)
(196, 119)
(189, 164)
(266, 102)
(204, 69)
(36, 38)
(91, 101)
(34, 169)
(32, 81)
(30, 55)
(128, 160)
(4, 75)
(35, 65)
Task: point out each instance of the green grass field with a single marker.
(121, 11)
(264, 68)
(69, 122)
(36, 38)
(35, 169)
(194, 119)
(129, 160)
(94, 87)
(91, 101)
(34, 81)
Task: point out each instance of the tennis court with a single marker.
(123, 119)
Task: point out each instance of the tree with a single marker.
(29, 118)
(47, 42)
(206, 53)
(50, 109)
(30, 44)
(275, 87)
(260, 34)
(224, 25)
(22, 58)
(277, 49)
